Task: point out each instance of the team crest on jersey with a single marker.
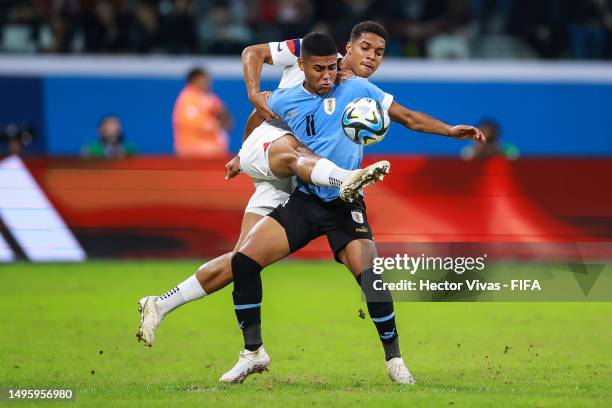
(357, 217)
(330, 105)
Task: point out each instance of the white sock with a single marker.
(186, 291)
(326, 173)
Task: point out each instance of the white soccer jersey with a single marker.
(286, 53)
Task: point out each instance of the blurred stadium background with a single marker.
(538, 70)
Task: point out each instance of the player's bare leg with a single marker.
(209, 278)
(265, 244)
(288, 157)
(358, 257)
(217, 273)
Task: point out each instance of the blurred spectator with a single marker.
(143, 34)
(494, 147)
(449, 29)
(538, 23)
(453, 42)
(338, 17)
(590, 28)
(491, 16)
(63, 16)
(111, 142)
(417, 21)
(179, 28)
(293, 17)
(224, 29)
(104, 28)
(492, 39)
(15, 138)
(200, 119)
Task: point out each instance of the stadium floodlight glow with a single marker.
(31, 219)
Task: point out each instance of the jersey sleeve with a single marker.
(285, 53)
(387, 101)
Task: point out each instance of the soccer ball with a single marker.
(365, 121)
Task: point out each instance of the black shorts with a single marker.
(306, 217)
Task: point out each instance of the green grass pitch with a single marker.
(74, 326)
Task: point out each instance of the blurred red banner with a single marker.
(168, 207)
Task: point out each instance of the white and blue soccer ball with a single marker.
(365, 121)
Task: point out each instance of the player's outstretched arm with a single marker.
(253, 58)
(422, 122)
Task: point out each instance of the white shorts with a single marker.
(269, 194)
(270, 191)
(254, 151)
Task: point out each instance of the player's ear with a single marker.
(348, 47)
(301, 63)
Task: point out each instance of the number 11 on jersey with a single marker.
(310, 125)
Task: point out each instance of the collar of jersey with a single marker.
(316, 94)
(307, 91)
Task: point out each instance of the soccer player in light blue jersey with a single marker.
(315, 121)
(313, 111)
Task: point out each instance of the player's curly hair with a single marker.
(369, 27)
(318, 45)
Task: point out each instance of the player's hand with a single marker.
(232, 168)
(345, 74)
(468, 132)
(260, 102)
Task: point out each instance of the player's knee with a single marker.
(358, 255)
(243, 266)
(247, 279)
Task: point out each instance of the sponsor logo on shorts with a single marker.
(357, 217)
(284, 203)
(361, 229)
(330, 105)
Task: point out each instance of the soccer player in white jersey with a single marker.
(270, 155)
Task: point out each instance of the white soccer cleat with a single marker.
(249, 362)
(150, 318)
(349, 190)
(398, 372)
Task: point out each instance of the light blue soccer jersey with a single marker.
(317, 122)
